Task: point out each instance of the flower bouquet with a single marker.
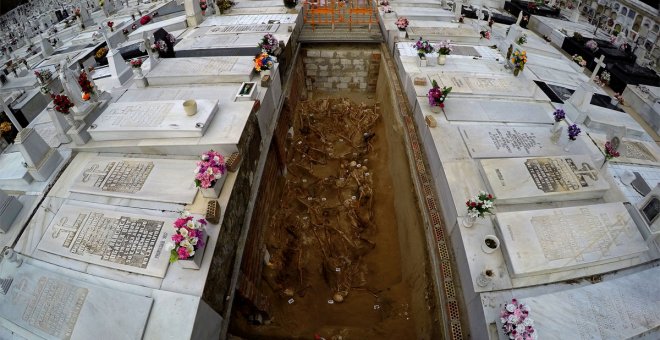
(86, 86)
(387, 9)
(5, 127)
(518, 59)
(478, 206)
(445, 47)
(438, 95)
(559, 115)
(77, 12)
(188, 241)
(619, 98)
(610, 152)
(62, 103)
(516, 322)
(209, 174)
(136, 63)
(203, 6)
(125, 31)
(402, 23)
(579, 60)
(423, 47)
(134, 27)
(461, 19)
(101, 53)
(605, 77)
(522, 39)
(111, 24)
(591, 44)
(573, 132)
(43, 75)
(268, 43)
(485, 34)
(263, 62)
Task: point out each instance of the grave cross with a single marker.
(93, 171)
(520, 16)
(599, 64)
(63, 227)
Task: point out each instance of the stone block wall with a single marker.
(341, 67)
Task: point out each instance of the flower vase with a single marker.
(436, 109)
(422, 61)
(195, 262)
(137, 71)
(555, 126)
(516, 71)
(442, 59)
(402, 33)
(569, 145)
(469, 220)
(614, 102)
(214, 191)
(264, 73)
(490, 244)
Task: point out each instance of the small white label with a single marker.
(291, 301)
(331, 302)
(375, 306)
(337, 269)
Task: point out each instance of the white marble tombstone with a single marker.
(581, 100)
(40, 158)
(60, 123)
(543, 179)
(193, 13)
(118, 67)
(46, 48)
(9, 209)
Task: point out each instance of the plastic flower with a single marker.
(209, 169)
(480, 205)
(423, 47)
(437, 95)
(402, 23)
(187, 238)
(573, 131)
(610, 152)
(263, 62)
(559, 115)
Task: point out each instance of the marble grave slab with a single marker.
(551, 240)
(624, 308)
(126, 241)
(163, 180)
(157, 119)
(489, 110)
(503, 141)
(543, 179)
(201, 70)
(53, 306)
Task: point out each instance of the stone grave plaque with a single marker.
(623, 308)
(53, 306)
(543, 179)
(504, 141)
(201, 70)
(636, 150)
(485, 85)
(552, 240)
(114, 239)
(163, 180)
(490, 110)
(215, 41)
(265, 28)
(157, 119)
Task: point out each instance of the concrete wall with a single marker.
(345, 67)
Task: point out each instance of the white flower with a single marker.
(510, 307)
(216, 159)
(197, 170)
(193, 241)
(209, 171)
(511, 336)
(190, 250)
(512, 318)
(185, 243)
(169, 246)
(528, 322)
(183, 232)
(191, 224)
(503, 320)
(525, 308)
(488, 204)
(473, 213)
(218, 175)
(205, 157)
(520, 329)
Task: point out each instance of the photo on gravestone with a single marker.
(169, 40)
(559, 175)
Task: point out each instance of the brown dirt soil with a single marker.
(325, 244)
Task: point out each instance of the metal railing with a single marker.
(338, 13)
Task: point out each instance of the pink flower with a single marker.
(177, 238)
(518, 313)
(183, 253)
(519, 337)
(202, 221)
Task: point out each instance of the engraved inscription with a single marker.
(135, 115)
(636, 150)
(559, 175)
(243, 28)
(124, 240)
(572, 237)
(122, 176)
(54, 307)
(514, 141)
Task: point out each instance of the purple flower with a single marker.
(573, 131)
(559, 115)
